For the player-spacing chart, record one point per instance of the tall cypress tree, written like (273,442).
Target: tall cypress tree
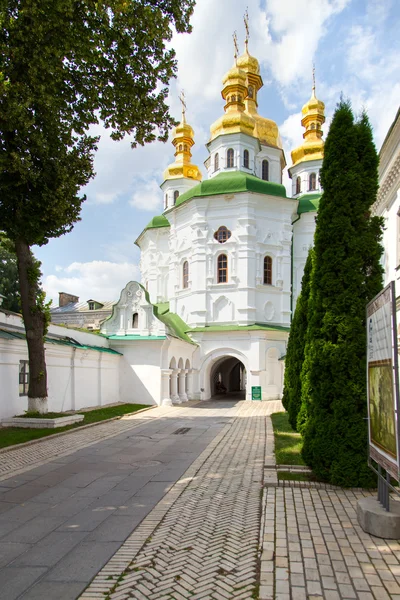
(346,275)
(291,399)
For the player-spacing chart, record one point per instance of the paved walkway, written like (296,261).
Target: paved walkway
(167,505)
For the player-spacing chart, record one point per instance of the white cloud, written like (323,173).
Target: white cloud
(101,280)
(147,196)
(288,33)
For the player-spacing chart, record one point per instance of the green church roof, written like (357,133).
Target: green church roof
(156,222)
(308,203)
(230,183)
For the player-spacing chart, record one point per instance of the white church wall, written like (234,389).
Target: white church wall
(303,240)
(259,225)
(304,170)
(154,263)
(259,351)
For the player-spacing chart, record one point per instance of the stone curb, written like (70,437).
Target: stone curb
(56,435)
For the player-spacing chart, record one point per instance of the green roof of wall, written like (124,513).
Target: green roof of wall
(60,341)
(230,183)
(308,203)
(255,327)
(173,321)
(137,338)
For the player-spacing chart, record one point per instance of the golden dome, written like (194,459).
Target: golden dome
(313,113)
(183,140)
(265,130)
(235,120)
(241,85)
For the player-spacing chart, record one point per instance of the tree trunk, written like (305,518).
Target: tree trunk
(35,322)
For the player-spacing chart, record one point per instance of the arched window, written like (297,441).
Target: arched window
(176,196)
(135,321)
(312,125)
(166,201)
(185,274)
(312,180)
(246,159)
(268,270)
(216,162)
(298,185)
(250,92)
(265,170)
(230,158)
(222,274)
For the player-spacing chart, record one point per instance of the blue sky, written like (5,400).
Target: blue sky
(355,47)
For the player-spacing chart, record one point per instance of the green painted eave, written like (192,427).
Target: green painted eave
(156,223)
(10,335)
(308,203)
(255,327)
(136,338)
(173,321)
(232,182)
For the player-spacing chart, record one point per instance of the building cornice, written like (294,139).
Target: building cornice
(387,186)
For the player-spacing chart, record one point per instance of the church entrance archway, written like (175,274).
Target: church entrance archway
(228,378)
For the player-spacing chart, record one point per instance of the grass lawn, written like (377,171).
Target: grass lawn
(17,435)
(288,443)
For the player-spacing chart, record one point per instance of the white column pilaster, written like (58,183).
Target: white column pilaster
(182,385)
(165,388)
(174,386)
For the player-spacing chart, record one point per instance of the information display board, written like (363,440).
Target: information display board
(382,381)
(256,392)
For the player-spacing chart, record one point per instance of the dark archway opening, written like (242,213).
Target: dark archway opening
(228,378)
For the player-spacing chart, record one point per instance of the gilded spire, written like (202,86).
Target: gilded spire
(313,117)
(183,103)
(182,140)
(246,26)
(235,46)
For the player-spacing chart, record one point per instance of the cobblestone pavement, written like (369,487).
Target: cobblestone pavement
(202,540)
(313,547)
(68,503)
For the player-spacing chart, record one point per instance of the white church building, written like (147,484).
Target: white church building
(222,266)
(221,271)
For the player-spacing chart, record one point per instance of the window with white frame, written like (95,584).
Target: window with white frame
(23,377)
(230,158)
(185,275)
(222,268)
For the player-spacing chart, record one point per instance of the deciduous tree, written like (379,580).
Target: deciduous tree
(9,287)
(65,65)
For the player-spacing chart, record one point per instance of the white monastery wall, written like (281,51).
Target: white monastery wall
(139,371)
(77,378)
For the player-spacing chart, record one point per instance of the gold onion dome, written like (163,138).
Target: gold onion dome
(246,74)
(248,63)
(183,140)
(313,117)
(235,120)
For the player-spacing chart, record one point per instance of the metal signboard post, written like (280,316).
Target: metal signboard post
(383,390)
(256,392)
